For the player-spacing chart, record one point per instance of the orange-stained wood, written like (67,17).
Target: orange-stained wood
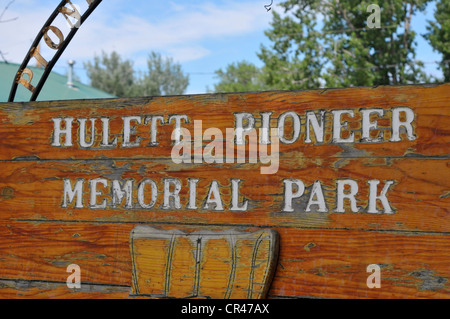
(313,262)
(26,129)
(205,264)
(28,190)
(361,177)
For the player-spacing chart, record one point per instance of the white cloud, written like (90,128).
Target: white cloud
(182,54)
(16,36)
(190,27)
(185,33)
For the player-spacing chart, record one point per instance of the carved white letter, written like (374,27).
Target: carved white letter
(337,126)
(289,195)
(235,197)
(57,132)
(350,196)
(396,123)
(68,192)
(373,197)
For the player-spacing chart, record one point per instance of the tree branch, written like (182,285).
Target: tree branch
(3,12)
(346,18)
(3,57)
(407,25)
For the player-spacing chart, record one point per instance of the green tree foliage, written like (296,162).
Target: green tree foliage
(333,43)
(239,77)
(164,77)
(110,74)
(439,35)
(113,75)
(330,43)
(295,59)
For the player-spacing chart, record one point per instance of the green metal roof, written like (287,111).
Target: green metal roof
(55,88)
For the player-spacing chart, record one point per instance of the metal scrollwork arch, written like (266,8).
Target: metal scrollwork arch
(67,12)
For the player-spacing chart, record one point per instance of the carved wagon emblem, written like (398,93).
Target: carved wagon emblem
(202,264)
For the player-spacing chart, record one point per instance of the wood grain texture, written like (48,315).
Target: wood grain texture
(26,129)
(35,289)
(226,264)
(32,187)
(313,262)
(322,254)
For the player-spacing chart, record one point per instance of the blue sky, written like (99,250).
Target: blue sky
(203,36)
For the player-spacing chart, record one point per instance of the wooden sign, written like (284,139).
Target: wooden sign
(353,183)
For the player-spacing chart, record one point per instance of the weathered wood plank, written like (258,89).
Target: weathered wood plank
(419,198)
(30,289)
(312,262)
(26,130)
